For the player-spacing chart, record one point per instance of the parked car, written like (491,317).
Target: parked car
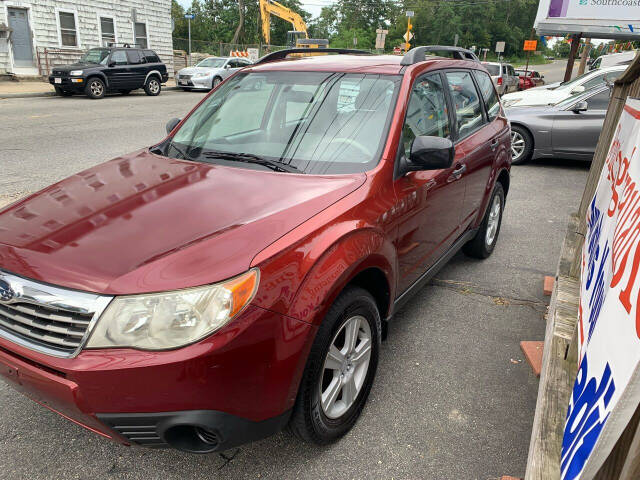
(503,75)
(612,59)
(208,73)
(529,79)
(111,69)
(569,129)
(555,93)
(237,276)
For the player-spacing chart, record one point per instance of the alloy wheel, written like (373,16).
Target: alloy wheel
(494,220)
(96,88)
(517,146)
(154,86)
(345,367)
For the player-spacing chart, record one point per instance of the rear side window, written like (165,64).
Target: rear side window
(151,56)
(466,101)
(488,94)
(599,101)
(427,113)
(135,57)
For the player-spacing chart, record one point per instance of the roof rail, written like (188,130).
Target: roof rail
(281,54)
(418,54)
(123,44)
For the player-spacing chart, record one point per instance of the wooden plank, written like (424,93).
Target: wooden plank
(631,468)
(625,454)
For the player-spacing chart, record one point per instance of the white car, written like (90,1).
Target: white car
(209,72)
(556,92)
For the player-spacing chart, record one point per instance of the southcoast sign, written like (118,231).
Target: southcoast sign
(606,392)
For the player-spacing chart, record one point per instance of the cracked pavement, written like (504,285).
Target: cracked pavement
(453,399)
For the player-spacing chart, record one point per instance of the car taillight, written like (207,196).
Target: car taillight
(499,80)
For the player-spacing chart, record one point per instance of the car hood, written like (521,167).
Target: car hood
(515,112)
(143,223)
(534,96)
(194,70)
(74,66)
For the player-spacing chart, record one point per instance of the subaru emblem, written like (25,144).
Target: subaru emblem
(6,292)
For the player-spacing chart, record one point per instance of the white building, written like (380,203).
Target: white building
(36,34)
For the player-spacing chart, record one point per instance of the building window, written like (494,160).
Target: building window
(108,31)
(68,34)
(141,35)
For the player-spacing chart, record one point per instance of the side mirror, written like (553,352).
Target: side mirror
(171,124)
(112,64)
(431,153)
(577,89)
(227,66)
(580,107)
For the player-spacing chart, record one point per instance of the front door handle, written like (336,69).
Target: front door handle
(457,173)
(494,143)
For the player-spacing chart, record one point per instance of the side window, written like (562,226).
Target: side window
(467,104)
(119,57)
(134,57)
(151,56)
(488,94)
(427,113)
(599,101)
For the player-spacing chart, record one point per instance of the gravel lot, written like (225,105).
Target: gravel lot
(454,398)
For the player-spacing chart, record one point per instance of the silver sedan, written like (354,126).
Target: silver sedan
(209,72)
(569,129)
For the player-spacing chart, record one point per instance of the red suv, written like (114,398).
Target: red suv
(238,276)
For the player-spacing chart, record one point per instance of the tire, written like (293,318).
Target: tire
(321,424)
(520,136)
(63,93)
(152,86)
(125,92)
(482,245)
(95,88)
(215,82)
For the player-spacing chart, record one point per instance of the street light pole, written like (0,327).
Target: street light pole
(189,23)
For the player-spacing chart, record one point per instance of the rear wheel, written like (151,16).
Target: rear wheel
(521,145)
(482,245)
(152,86)
(95,88)
(340,369)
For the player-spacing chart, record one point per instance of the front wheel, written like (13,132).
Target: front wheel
(95,88)
(521,145)
(340,369)
(215,82)
(482,245)
(152,86)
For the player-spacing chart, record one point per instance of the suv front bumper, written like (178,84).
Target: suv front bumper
(70,84)
(237,385)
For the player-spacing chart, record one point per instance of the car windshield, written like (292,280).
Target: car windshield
(212,63)
(494,70)
(578,79)
(308,122)
(574,98)
(95,55)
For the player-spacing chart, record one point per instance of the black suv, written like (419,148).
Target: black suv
(111,69)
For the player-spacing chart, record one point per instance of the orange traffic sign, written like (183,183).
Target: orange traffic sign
(530,45)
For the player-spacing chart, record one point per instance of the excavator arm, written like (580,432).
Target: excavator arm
(270,7)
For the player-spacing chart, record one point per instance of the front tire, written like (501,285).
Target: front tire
(521,145)
(340,369)
(95,88)
(215,82)
(482,245)
(152,86)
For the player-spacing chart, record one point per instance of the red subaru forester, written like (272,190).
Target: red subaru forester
(238,276)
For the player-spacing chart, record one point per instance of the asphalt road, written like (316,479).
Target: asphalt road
(454,397)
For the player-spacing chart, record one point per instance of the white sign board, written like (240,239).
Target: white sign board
(499,47)
(606,392)
(410,13)
(592,18)
(253,54)
(381,36)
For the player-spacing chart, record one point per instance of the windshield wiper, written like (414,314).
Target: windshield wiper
(249,158)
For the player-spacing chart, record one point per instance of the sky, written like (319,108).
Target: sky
(311,6)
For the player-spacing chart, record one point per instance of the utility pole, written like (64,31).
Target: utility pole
(585,55)
(189,17)
(575,43)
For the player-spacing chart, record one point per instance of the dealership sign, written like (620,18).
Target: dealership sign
(590,18)
(606,391)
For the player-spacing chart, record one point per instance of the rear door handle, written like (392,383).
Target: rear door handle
(494,143)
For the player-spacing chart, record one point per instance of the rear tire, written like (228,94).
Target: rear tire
(95,88)
(482,245)
(152,86)
(521,145)
(334,388)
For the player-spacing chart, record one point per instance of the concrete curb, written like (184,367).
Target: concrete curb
(49,94)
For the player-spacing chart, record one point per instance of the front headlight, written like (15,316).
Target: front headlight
(159,321)
(202,74)
(75,73)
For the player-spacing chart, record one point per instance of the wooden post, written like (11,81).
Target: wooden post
(575,43)
(585,54)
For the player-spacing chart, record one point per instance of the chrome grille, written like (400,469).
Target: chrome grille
(47,319)
(185,77)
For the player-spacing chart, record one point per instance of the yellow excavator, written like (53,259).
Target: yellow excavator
(298,37)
